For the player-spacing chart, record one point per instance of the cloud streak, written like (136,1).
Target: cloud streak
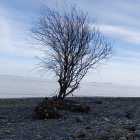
(128,34)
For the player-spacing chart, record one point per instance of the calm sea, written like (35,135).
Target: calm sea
(15,87)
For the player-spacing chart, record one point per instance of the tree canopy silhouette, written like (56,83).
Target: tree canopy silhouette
(72,44)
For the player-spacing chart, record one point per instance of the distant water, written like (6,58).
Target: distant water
(15,87)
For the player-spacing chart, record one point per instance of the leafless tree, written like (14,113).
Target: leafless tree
(72,44)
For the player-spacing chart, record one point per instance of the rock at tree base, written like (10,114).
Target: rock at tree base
(49,108)
(47,113)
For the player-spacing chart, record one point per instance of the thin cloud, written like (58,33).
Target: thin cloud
(13,34)
(134,54)
(126,33)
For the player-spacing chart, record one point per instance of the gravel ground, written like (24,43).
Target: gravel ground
(109,119)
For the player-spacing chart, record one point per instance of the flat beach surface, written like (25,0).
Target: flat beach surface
(109,119)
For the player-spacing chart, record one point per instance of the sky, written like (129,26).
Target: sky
(119,20)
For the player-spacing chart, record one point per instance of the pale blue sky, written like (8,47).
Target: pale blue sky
(118,19)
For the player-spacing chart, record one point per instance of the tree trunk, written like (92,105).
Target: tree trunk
(62,92)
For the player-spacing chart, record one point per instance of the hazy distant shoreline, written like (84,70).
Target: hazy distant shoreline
(17,87)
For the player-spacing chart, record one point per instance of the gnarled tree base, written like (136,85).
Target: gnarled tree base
(49,108)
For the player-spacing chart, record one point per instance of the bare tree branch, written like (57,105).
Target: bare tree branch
(72,44)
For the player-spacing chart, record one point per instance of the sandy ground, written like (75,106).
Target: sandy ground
(111,119)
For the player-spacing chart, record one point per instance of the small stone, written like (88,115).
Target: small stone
(137,127)
(8,132)
(129,115)
(136,138)
(122,138)
(119,115)
(106,119)
(119,133)
(130,128)
(39,136)
(87,127)
(103,136)
(80,133)
(93,122)
(111,138)
(1,117)
(137,133)
(78,119)
(130,138)
(22,123)
(89,136)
